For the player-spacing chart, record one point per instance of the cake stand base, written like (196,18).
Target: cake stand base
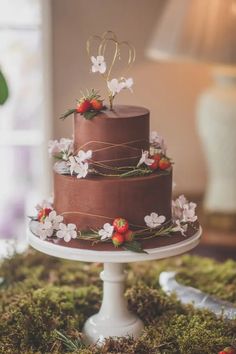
(113,319)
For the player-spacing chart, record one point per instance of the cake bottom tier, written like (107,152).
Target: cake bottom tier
(91,202)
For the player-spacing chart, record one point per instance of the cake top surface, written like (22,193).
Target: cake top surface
(124,111)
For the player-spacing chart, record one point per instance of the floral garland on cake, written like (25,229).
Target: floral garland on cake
(120,233)
(82,164)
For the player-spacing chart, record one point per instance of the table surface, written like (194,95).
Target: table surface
(123,256)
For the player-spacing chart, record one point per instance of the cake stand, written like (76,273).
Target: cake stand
(113,318)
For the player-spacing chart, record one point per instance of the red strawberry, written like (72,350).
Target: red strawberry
(164,163)
(96,104)
(43,213)
(118,239)
(83,106)
(156,159)
(121,225)
(129,235)
(228,350)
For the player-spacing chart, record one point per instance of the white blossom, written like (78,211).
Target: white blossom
(82,171)
(62,147)
(145,159)
(67,232)
(128,83)
(115,85)
(180,227)
(44,230)
(182,210)
(106,232)
(54,219)
(78,164)
(154,220)
(158,142)
(189,212)
(45,203)
(78,168)
(99,65)
(83,156)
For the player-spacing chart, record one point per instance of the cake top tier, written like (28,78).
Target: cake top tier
(116,137)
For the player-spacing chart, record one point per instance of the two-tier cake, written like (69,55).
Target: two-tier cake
(113,181)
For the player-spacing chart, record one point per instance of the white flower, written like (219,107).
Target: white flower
(158,142)
(189,212)
(180,227)
(153,220)
(83,156)
(63,147)
(67,232)
(128,83)
(45,203)
(79,168)
(53,148)
(181,201)
(54,219)
(145,159)
(82,170)
(115,85)
(99,65)
(78,165)
(44,230)
(177,207)
(73,164)
(182,210)
(106,232)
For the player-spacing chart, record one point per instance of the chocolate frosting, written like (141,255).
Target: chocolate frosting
(116,137)
(93,201)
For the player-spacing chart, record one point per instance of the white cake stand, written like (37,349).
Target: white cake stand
(113,318)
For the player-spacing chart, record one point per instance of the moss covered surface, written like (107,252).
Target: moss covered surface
(43,299)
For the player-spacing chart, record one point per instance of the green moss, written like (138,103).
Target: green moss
(42,295)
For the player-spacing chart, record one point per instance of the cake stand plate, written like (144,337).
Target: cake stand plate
(113,318)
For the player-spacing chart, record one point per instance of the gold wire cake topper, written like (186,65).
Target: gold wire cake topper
(107,39)
(91,103)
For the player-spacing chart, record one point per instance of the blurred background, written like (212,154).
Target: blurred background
(44,61)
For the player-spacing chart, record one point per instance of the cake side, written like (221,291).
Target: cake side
(117,137)
(91,202)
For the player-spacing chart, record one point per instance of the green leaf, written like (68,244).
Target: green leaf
(4,93)
(90,114)
(134,246)
(67,113)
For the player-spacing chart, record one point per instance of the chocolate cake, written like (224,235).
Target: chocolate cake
(113,181)
(93,201)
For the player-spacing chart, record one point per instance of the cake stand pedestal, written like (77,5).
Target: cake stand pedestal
(113,318)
